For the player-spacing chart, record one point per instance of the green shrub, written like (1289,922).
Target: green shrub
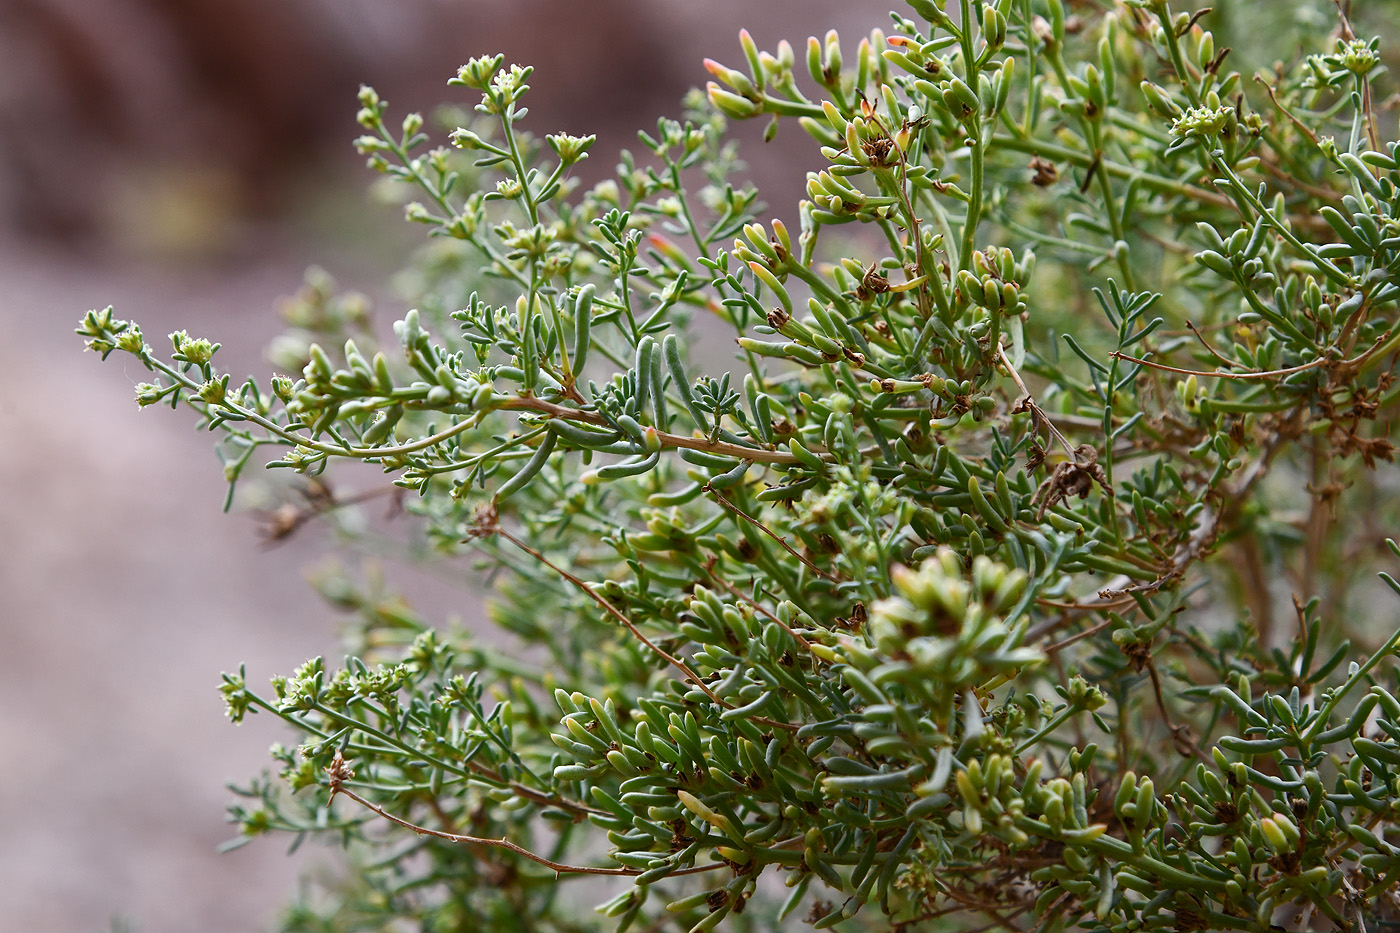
(1020,571)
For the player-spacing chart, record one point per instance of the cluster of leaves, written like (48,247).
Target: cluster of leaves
(961,598)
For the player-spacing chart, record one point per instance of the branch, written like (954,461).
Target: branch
(1037,413)
(722,448)
(1271,374)
(768,531)
(612,611)
(339,772)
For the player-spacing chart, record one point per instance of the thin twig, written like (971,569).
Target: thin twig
(969,902)
(281,523)
(758,608)
(340,772)
(1184,747)
(1078,636)
(1037,412)
(1302,127)
(612,610)
(1118,592)
(768,531)
(1224,360)
(1367,104)
(1271,374)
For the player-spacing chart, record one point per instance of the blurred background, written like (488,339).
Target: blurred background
(186,160)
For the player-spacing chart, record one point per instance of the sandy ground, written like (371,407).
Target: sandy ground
(123,593)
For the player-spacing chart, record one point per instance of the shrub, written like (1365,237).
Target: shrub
(1018,570)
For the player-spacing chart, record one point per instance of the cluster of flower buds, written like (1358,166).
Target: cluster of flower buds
(1352,61)
(944,631)
(988,789)
(837,201)
(943,90)
(996,279)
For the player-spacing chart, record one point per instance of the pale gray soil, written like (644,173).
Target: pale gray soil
(123,593)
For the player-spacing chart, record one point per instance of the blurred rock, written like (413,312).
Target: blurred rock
(222,102)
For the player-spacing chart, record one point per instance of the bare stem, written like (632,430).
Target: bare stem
(612,610)
(1271,374)
(340,772)
(768,531)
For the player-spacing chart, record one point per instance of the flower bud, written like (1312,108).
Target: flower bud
(730,104)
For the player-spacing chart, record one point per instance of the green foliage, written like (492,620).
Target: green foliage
(965,595)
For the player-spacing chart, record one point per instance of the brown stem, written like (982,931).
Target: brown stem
(768,531)
(738,594)
(1181,740)
(722,448)
(1117,593)
(612,610)
(1037,412)
(1271,374)
(1344,339)
(281,523)
(339,772)
(1302,127)
(1367,105)
(1224,360)
(1257,589)
(1078,636)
